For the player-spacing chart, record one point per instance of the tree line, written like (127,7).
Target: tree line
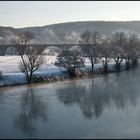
(97,48)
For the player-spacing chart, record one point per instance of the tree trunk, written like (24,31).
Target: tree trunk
(92,64)
(127,63)
(134,62)
(118,64)
(72,72)
(105,66)
(29,78)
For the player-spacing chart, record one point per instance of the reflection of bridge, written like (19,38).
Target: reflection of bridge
(40,47)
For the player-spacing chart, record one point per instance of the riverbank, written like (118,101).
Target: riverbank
(18,78)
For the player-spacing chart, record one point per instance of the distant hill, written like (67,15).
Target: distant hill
(69,32)
(7,34)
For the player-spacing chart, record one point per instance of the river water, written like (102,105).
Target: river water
(103,106)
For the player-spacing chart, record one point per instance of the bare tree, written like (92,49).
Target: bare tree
(131,50)
(105,54)
(119,39)
(118,43)
(92,40)
(25,37)
(71,61)
(117,53)
(22,41)
(32,60)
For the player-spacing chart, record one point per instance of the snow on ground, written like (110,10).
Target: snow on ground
(9,64)
(13,76)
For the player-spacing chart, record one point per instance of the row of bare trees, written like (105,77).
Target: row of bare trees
(118,47)
(99,48)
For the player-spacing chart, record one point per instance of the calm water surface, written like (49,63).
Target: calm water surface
(106,106)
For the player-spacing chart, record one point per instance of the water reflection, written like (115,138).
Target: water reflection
(93,95)
(32,110)
(82,108)
(1,96)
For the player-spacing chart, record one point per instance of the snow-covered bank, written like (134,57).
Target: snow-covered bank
(47,72)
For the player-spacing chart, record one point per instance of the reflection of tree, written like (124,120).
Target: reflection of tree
(91,106)
(32,109)
(123,95)
(71,94)
(88,101)
(1,96)
(100,93)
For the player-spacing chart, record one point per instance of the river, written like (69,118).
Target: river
(103,106)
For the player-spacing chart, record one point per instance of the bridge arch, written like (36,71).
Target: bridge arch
(75,48)
(52,50)
(11,51)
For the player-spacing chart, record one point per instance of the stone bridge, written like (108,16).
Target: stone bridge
(40,47)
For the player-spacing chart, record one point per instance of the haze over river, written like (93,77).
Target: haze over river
(102,106)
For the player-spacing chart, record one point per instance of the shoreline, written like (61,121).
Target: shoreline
(17,79)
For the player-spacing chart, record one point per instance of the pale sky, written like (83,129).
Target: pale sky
(39,13)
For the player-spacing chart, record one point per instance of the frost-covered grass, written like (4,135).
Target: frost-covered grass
(13,76)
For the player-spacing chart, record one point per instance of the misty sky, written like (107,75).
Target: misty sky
(39,13)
